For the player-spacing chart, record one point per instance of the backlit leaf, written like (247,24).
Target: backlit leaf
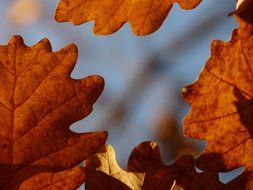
(221,101)
(38,103)
(145,171)
(145,16)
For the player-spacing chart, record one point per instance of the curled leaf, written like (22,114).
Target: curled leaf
(145,16)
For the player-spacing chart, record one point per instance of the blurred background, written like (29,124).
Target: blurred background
(144,75)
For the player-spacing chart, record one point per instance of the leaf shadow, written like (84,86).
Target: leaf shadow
(12,178)
(245,110)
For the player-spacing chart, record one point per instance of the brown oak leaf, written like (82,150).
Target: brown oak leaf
(38,102)
(68,180)
(222,104)
(145,171)
(145,16)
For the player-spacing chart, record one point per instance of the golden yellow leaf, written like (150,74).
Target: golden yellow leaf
(145,16)
(104,162)
(38,103)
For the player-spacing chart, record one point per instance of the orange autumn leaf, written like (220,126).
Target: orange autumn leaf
(68,180)
(145,16)
(145,171)
(38,102)
(221,101)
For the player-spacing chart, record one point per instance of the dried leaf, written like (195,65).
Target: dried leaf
(145,16)
(145,171)
(103,172)
(68,180)
(221,101)
(38,103)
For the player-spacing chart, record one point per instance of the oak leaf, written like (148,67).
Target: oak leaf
(38,103)
(145,16)
(145,171)
(221,101)
(103,172)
